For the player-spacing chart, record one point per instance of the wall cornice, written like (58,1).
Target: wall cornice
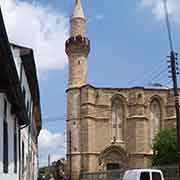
(137,117)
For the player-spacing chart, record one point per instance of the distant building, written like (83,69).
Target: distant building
(109,128)
(53,168)
(20,112)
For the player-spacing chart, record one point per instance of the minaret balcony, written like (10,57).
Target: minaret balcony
(77,44)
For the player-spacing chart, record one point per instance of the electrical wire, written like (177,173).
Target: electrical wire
(155,77)
(95,113)
(159,74)
(142,76)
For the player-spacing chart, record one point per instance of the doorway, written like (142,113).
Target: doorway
(113,166)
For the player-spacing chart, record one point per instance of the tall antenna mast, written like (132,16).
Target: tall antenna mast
(173,66)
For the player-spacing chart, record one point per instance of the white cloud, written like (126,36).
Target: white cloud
(49,141)
(38,27)
(157,8)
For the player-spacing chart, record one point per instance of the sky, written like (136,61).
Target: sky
(129,45)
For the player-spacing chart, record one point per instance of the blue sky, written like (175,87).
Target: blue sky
(129,46)
(127,42)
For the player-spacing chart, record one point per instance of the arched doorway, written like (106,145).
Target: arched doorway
(114,158)
(112,166)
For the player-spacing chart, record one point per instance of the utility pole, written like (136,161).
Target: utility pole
(173,62)
(173,66)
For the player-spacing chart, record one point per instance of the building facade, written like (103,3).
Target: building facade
(109,128)
(20,112)
(25,65)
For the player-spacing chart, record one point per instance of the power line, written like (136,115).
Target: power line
(141,77)
(95,113)
(54,118)
(168,84)
(159,77)
(173,65)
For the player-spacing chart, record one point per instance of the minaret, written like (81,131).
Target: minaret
(77,48)
(78,21)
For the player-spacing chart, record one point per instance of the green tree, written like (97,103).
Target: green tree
(165,147)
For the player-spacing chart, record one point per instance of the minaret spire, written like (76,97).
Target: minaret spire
(78,1)
(77,48)
(78,11)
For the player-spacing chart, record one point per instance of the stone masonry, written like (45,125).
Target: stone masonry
(109,128)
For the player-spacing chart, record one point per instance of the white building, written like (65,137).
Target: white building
(20,112)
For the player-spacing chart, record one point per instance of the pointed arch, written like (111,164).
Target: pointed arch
(155,117)
(114,155)
(118,118)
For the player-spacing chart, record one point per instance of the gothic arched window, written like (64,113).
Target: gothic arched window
(117,119)
(155,118)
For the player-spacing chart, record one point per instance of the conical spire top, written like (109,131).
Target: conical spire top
(78,1)
(78,11)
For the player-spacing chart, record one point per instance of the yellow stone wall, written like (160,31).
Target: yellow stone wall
(92,113)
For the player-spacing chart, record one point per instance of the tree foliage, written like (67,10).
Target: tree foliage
(165,147)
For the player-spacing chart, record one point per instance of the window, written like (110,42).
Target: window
(155,111)
(145,176)
(15,146)
(117,119)
(156,176)
(5,140)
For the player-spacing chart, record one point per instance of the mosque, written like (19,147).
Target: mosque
(109,128)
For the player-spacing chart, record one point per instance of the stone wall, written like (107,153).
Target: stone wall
(95,124)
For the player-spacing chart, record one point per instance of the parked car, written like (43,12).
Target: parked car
(143,174)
